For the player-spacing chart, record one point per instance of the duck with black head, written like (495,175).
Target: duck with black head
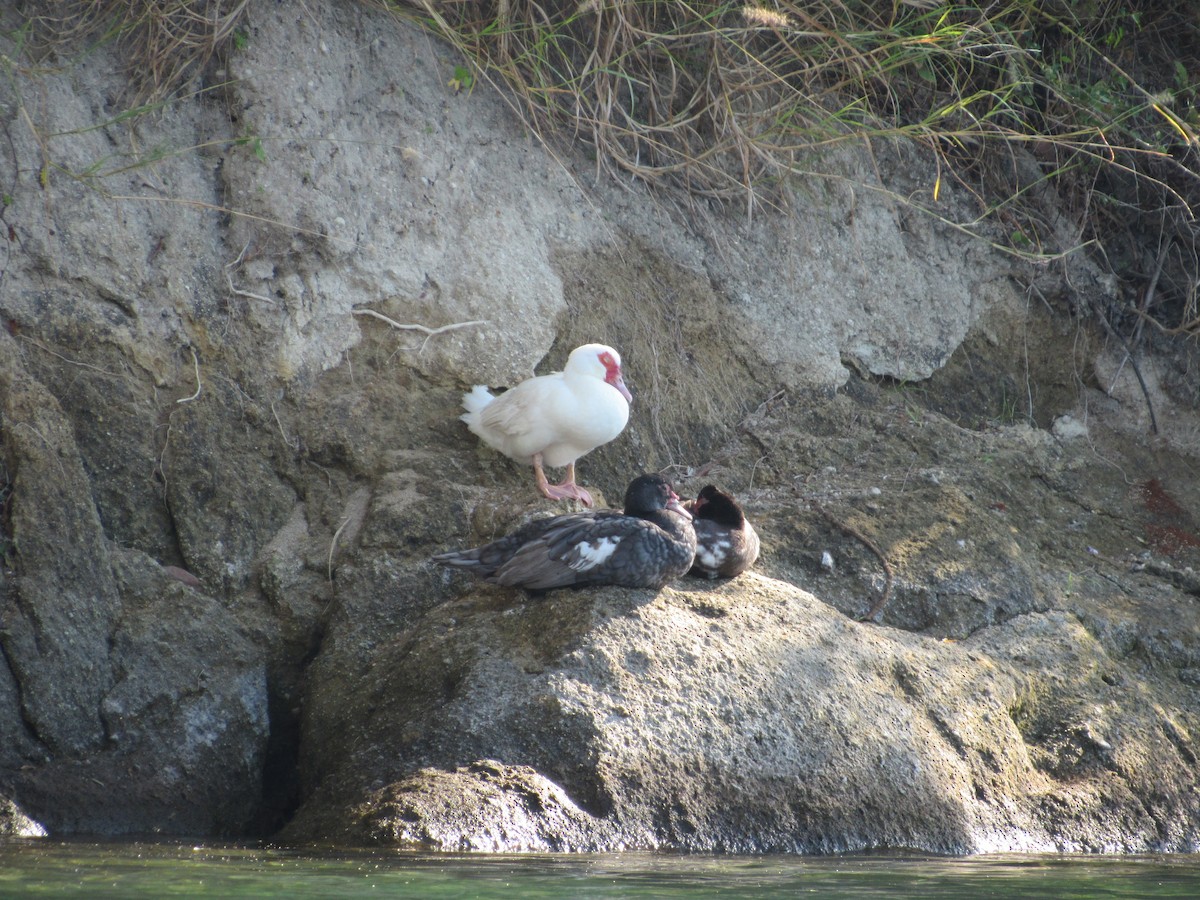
(648,544)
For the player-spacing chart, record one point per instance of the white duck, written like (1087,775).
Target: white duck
(552,420)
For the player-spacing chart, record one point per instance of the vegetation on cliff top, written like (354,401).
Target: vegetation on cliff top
(729,101)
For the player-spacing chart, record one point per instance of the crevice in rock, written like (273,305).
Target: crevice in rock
(280,773)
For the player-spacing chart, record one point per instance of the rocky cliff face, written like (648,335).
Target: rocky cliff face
(223,474)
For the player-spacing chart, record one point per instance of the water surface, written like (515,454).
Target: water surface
(46,868)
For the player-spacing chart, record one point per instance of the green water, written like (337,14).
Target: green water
(44,868)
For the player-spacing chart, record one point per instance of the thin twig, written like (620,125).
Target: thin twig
(67,359)
(753,469)
(1148,297)
(1132,364)
(227,211)
(282,431)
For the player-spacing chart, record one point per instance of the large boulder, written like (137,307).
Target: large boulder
(132,701)
(747,717)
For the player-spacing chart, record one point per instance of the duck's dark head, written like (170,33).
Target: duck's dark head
(717,506)
(649,493)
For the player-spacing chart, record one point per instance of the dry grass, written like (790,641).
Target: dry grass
(166,41)
(730,100)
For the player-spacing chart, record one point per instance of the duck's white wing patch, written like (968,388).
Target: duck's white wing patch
(712,554)
(587,555)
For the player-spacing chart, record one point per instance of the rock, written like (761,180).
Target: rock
(485,806)
(1068,428)
(223,486)
(748,717)
(14,822)
(59,615)
(185,725)
(134,691)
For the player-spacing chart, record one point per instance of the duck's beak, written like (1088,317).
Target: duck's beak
(675,506)
(618,382)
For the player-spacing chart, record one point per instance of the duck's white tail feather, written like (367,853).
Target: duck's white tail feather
(474,402)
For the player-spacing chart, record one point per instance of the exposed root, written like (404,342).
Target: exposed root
(424,329)
(236,291)
(199,385)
